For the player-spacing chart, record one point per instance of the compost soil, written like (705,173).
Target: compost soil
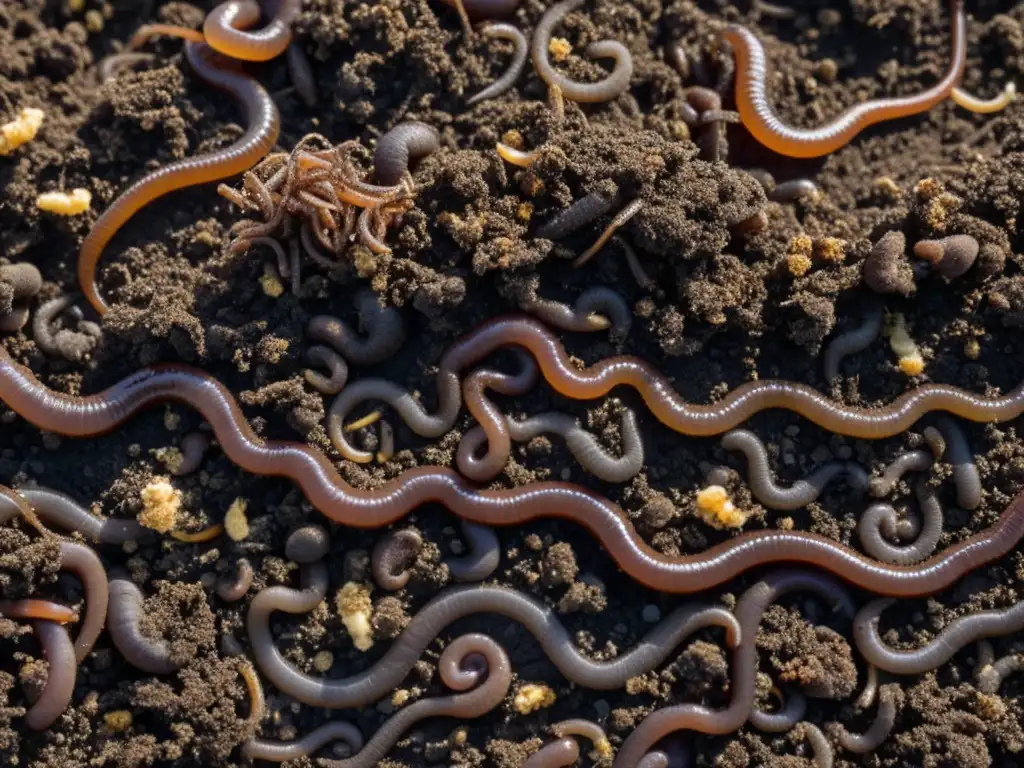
(727,306)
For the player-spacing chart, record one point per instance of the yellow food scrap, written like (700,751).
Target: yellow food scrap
(832,249)
(524,212)
(94,20)
(889,186)
(355,607)
(271,284)
(602,749)
(717,509)
(198,537)
(400,697)
(160,504)
(513,138)
(911,361)
(559,48)
(323,661)
(23,128)
(533,696)
(76,6)
(798,264)
(118,720)
(235,521)
(64,204)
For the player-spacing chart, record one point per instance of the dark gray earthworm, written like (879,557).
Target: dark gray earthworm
(384,328)
(405,143)
(799,494)
(853,341)
(584,446)
(606,89)
(748,612)
(792,190)
(965,470)
(596,309)
(300,72)
(911,461)
(282,751)
(116,63)
(308,544)
(451,605)
(558,754)
(673,753)
(233,590)
(520,51)
(64,512)
(193,448)
(66,343)
(990,673)
(483,557)
(935,441)
(83,562)
(881,518)
(875,736)
(25,281)
(938,650)
(392,556)
(824,757)
(585,210)
(332,360)
(126,608)
(55,697)
(473,664)
(794,709)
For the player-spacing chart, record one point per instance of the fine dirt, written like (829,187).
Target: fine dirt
(729,305)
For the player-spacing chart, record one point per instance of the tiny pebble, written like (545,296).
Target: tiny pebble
(457,547)
(792,430)
(565,474)
(602,709)
(651,614)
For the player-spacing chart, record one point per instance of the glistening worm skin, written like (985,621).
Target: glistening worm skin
(875,736)
(83,562)
(557,754)
(283,751)
(965,471)
(325,489)
(938,650)
(794,709)
(64,512)
(233,590)
(911,461)
(824,757)
(879,516)
(611,86)
(595,309)
(263,121)
(792,190)
(520,50)
(802,492)
(989,673)
(193,448)
(484,554)
(384,327)
(226,29)
(318,354)
(762,122)
(748,612)
(585,210)
(404,143)
(392,556)
(60,676)
(451,605)
(308,544)
(31,608)
(852,342)
(147,654)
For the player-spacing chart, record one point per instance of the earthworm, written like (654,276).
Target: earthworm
(520,50)
(633,262)
(148,654)
(64,512)
(325,489)
(965,471)
(36,609)
(762,122)
(370,237)
(583,445)
(386,447)
(307,544)
(853,341)
(273,244)
(606,89)
(595,309)
(233,590)
(406,142)
(193,448)
(772,11)
(792,190)
(747,613)
(794,709)
(938,650)
(60,675)
(66,343)
(632,209)
(199,537)
(672,754)
(579,214)
(911,461)
(585,728)
(557,754)
(318,354)
(484,553)
(875,736)
(301,74)
(879,516)
(282,751)
(824,757)
(384,327)
(870,692)
(451,605)
(950,256)
(263,121)
(985,106)
(25,281)
(989,673)
(799,494)
(226,29)
(392,556)
(113,65)
(83,562)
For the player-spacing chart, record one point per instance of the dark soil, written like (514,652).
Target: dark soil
(727,309)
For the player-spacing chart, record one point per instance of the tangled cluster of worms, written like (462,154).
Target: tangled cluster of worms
(323,199)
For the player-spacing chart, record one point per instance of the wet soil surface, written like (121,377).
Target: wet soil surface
(729,304)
